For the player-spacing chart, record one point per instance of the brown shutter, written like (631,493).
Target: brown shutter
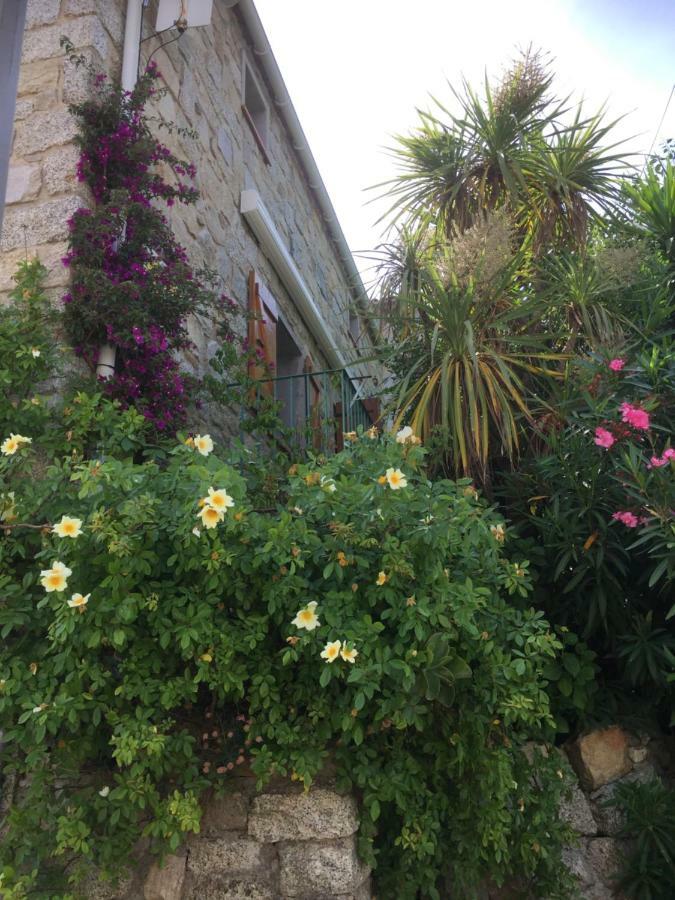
(262,333)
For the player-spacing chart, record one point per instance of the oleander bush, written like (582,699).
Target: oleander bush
(352,610)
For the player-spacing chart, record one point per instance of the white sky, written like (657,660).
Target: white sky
(357,69)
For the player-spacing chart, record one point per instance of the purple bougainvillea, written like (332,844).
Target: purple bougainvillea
(131,283)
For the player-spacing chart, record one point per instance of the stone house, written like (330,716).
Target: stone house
(264,220)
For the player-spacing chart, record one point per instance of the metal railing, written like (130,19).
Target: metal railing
(313,410)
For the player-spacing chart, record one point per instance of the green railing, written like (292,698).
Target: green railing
(313,410)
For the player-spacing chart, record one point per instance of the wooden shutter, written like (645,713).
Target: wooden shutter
(314,388)
(262,332)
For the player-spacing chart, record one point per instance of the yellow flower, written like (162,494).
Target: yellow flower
(206,657)
(189,442)
(210,516)
(372,433)
(382,479)
(307,618)
(382,578)
(13,443)
(219,499)
(33,667)
(77,601)
(351,436)
(410,601)
(498,533)
(203,444)
(56,578)
(68,527)
(395,479)
(349,655)
(331,651)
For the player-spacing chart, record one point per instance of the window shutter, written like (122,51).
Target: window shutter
(314,388)
(262,333)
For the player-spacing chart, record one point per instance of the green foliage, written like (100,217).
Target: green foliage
(649,823)
(106,681)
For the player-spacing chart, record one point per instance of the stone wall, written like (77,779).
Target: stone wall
(282,843)
(203,74)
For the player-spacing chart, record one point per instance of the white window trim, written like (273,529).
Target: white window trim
(247,65)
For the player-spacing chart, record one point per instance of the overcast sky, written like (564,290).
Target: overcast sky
(357,69)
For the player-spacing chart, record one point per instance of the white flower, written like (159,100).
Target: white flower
(68,527)
(328,484)
(307,618)
(349,655)
(196,531)
(56,578)
(104,791)
(210,516)
(78,601)
(203,444)
(219,499)
(395,479)
(35,352)
(13,443)
(404,435)
(331,651)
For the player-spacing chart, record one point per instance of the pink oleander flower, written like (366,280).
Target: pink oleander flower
(657,461)
(635,416)
(604,438)
(616,365)
(629,519)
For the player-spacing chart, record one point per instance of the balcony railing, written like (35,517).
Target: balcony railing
(313,410)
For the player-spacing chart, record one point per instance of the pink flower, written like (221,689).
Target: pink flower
(616,365)
(629,519)
(669,453)
(604,438)
(656,462)
(635,416)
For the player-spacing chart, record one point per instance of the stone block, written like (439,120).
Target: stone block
(165,882)
(600,757)
(229,854)
(37,224)
(39,77)
(44,129)
(44,43)
(23,109)
(110,13)
(318,814)
(59,169)
(228,813)
(576,812)
(609,817)
(50,255)
(310,868)
(95,887)
(41,12)
(605,857)
(23,182)
(213,887)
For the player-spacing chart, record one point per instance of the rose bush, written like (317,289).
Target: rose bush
(353,610)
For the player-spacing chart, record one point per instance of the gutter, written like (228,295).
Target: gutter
(282,101)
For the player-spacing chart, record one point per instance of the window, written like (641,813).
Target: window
(354,325)
(255,108)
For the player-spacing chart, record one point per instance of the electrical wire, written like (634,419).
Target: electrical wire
(663,118)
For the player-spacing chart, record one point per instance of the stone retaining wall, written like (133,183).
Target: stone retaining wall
(282,843)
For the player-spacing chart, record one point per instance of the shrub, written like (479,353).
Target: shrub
(421,679)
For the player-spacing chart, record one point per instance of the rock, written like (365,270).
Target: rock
(39,224)
(605,857)
(44,129)
(609,817)
(41,12)
(228,813)
(165,882)
(23,182)
(59,169)
(309,868)
(637,754)
(44,43)
(230,854)
(576,812)
(217,888)
(97,888)
(317,814)
(39,77)
(600,757)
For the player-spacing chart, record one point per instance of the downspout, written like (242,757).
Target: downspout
(105,367)
(282,100)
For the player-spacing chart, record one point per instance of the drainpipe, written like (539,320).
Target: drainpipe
(282,100)
(105,367)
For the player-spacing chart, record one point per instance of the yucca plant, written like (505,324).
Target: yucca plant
(515,145)
(467,367)
(652,198)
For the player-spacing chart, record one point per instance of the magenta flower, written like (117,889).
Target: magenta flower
(634,416)
(629,519)
(616,365)
(604,438)
(657,461)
